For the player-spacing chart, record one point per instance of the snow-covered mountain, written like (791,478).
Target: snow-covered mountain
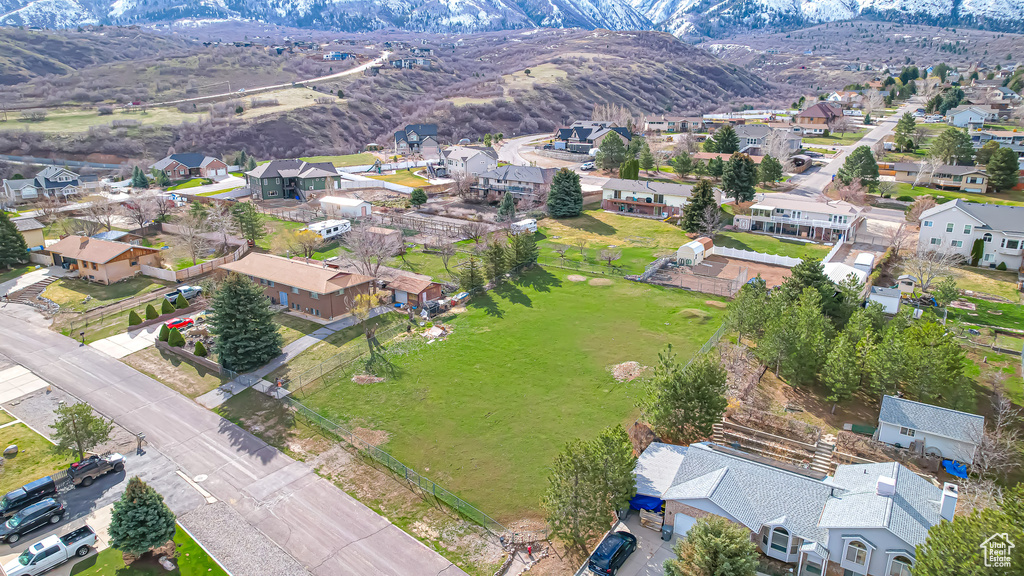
(680,17)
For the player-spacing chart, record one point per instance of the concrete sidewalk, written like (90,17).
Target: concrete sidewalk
(318,524)
(121,345)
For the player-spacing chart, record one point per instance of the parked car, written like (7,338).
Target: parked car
(36,516)
(51,552)
(84,473)
(179,323)
(586,166)
(27,495)
(189,292)
(548,146)
(612,552)
(527,225)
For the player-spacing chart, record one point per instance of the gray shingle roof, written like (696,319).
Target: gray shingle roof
(887,292)
(932,419)
(293,168)
(995,216)
(656,468)
(25,224)
(648,187)
(511,173)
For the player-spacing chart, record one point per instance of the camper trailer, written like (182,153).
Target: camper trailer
(528,225)
(330,228)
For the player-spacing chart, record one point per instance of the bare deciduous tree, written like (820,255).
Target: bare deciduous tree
(929,266)
(103,211)
(920,205)
(710,220)
(777,145)
(218,219)
(873,100)
(474,231)
(462,186)
(919,135)
(369,248)
(999,448)
(445,250)
(140,210)
(580,243)
(853,193)
(191,230)
(609,256)
(897,238)
(560,249)
(840,124)
(49,209)
(303,242)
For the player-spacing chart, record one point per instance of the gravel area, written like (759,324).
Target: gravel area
(242,549)
(37,410)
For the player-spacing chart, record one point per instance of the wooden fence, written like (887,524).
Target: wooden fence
(193,271)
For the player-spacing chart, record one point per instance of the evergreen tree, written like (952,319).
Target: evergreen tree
(750,310)
(715,167)
(174,338)
(248,221)
(160,178)
(78,429)
(984,154)
(522,249)
(682,164)
(842,374)
(724,140)
(180,302)
(565,199)
(164,334)
(418,197)
(573,508)
(714,547)
(471,277)
(13,249)
(703,195)
(953,146)
(166,307)
(810,273)
(647,161)
(151,313)
(613,151)
(140,520)
(507,208)
(886,364)
(134,319)
(798,341)
(200,349)
(683,404)
(936,366)
(1003,169)
(769,171)
(241,321)
(139,179)
(630,170)
(613,462)
(860,165)
(699,168)
(739,177)
(495,259)
(904,133)
(251,164)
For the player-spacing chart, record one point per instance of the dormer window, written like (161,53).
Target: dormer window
(856,552)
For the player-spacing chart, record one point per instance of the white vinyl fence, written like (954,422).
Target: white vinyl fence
(756,256)
(832,253)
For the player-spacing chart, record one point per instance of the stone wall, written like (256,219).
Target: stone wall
(195,360)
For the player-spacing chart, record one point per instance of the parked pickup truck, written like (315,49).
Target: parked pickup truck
(84,473)
(189,292)
(51,552)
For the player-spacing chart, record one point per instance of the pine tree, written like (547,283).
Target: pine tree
(140,520)
(684,403)
(522,250)
(682,164)
(471,277)
(507,208)
(725,139)
(713,545)
(860,165)
(984,154)
(647,161)
(78,429)
(739,177)
(810,273)
(715,167)
(139,179)
(749,312)
(573,509)
(241,321)
(613,459)
(248,221)
(800,339)
(842,374)
(160,178)
(769,171)
(251,164)
(565,199)
(953,146)
(151,313)
(134,319)
(418,197)
(13,248)
(1003,170)
(702,196)
(904,133)
(495,259)
(613,151)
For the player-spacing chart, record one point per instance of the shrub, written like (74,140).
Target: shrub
(175,338)
(167,307)
(1001,266)
(200,349)
(181,302)
(151,312)
(134,319)
(906,198)
(105,110)
(164,333)
(886,195)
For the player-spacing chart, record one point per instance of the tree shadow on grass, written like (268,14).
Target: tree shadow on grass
(487,303)
(512,293)
(538,279)
(590,224)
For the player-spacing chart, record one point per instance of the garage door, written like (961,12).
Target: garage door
(401,296)
(683,523)
(221,171)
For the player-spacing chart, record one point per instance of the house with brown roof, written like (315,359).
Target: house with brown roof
(317,290)
(101,260)
(815,119)
(413,290)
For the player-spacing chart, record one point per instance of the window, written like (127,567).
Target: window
(856,552)
(617,195)
(780,539)
(133,263)
(1011,244)
(314,295)
(927,223)
(270,284)
(906,431)
(935,241)
(813,569)
(987,237)
(900,566)
(956,243)
(949,227)
(295,290)
(988,257)
(967,228)
(764,536)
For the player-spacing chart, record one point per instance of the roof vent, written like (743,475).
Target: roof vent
(886,486)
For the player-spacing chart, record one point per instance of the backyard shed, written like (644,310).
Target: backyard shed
(889,298)
(693,253)
(865,261)
(906,284)
(345,207)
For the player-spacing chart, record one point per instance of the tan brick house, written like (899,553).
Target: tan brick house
(101,260)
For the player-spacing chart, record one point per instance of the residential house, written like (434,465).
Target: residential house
(462,161)
(972,117)
(338,206)
(32,231)
(944,177)
(645,198)
(582,135)
(410,63)
(191,165)
(815,119)
(337,56)
(101,260)
(313,289)
(414,138)
(927,429)
(846,98)
(754,139)
(792,215)
(674,124)
(866,519)
(90,183)
(51,182)
(954,226)
(292,179)
(520,181)
(1004,94)
(1012,139)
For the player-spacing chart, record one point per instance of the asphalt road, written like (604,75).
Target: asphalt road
(318,524)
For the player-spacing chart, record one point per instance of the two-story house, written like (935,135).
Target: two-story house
(417,139)
(583,135)
(190,165)
(52,182)
(793,215)
(645,198)
(927,429)
(865,519)
(754,139)
(462,161)
(816,119)
(297,179)
(955,226)
(521,181)
(1012,139)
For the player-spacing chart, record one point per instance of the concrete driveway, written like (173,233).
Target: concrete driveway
(651,552)
(98,520)
(121,345)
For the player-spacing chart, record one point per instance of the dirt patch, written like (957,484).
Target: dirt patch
(458,310)
(694,313)
(373,437)
(576,278)
(366,379)
(190,380)
(600,282)
(716,303)
(628,371)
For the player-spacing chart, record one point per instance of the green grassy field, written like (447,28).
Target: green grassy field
(192,561)
(292,327)
(990,314)
(640,240)
(188,184)
(1008,198)
(275,227)
(16,271)
(361,159)
(36,457)
(349,343)
(771,245)
(525,369)
(70,293)
(403,177)
(111,324)
(986,280)
(846,139)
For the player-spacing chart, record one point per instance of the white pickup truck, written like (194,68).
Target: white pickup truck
(189,292)
(51,552)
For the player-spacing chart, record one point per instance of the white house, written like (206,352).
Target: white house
(345,207)
(966,117)
(930,429)
(645,198)
(889,298)
(866,519)
(954,226)
(465,160)
(800,216)
(50,182)
(693,252)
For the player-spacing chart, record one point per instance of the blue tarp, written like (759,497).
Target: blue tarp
(645,503)
(955,468)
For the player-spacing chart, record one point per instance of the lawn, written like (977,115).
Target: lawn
(192,561)
(292,327)
(640,240)
(109,324)
(1008,198)
(6,417)
(276,226)
(403,177)
(189,184)
(36,457)
(71,293)
(16,271)
(846,139)
(361,159)
(990,314)
(216,192)
(988,281)
(173,371)
(771,245)
(525,370)
(349,343)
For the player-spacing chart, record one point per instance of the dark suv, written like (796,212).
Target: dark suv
(28,494)
(36,516)
(612,553)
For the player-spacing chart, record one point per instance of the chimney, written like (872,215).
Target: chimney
(885,486)
(947,506)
